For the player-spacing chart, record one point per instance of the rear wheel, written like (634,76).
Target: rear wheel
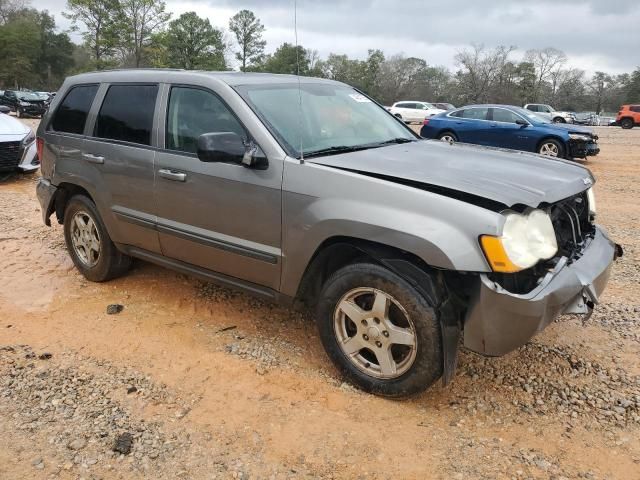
(559,120)
(89,245)
(448,137)
(626,123)
(379,331)
(551,148)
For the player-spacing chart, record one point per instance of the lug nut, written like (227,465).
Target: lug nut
(378,344)
(385,333)
(366,337)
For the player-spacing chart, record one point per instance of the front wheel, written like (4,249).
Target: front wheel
(551,148)
(379,331)
(626,123)
(89,245)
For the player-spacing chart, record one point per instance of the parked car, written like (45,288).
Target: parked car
(414,111)
(444,106)
(547,111)
(4,109)
(400,246)
(628,116)
(506,126)
(17,145)
(23,103)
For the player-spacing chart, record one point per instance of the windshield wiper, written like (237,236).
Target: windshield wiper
(337,149)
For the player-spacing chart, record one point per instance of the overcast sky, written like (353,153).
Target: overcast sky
(595,34)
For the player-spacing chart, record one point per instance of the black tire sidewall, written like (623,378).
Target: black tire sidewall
(626,123)
(103,269)
(428,364)
(561,149)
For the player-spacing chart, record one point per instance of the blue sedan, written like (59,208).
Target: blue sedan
(505,126)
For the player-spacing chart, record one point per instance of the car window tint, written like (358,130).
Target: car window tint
(502,115)
(635,108)
(193,112)
(127,113)
(71,115)
(475,113)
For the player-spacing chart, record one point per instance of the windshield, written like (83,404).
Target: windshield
(531,116)
(27,96)
(321,118)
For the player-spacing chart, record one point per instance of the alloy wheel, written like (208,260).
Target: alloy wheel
(85,238)
(375,333)
(549,148)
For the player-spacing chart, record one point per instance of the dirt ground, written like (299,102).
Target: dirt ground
(212,383)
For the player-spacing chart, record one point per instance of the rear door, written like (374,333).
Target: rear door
(220,216)
(119,155)
(471,125)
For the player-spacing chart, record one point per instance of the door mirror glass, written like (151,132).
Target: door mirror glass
(521,122)
(221,147)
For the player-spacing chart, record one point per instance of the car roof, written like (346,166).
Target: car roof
(173,75)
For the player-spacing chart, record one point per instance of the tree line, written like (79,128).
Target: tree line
(141,33)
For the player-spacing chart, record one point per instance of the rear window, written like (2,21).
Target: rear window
(127,113)
(71,115)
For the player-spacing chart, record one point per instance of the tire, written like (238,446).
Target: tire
(626,123)
(548,146)
(559,120)
(398,116)
(99,264)
(448,137)
(413,368)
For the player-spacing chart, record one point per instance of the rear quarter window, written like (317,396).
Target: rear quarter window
(126,113)
(71,115)
(635,108)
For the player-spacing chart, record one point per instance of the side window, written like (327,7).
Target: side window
(475,113)
(71,115)
(533,108)
(458,114)
(506,116)
(403,105)
(193,112)
(635,108)
(127,113)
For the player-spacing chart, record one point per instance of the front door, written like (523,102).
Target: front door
(506,133)
(220,216)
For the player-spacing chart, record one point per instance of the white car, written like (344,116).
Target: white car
(18,150)
(550,113)
(414,111)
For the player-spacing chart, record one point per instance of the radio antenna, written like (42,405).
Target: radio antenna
(295,29)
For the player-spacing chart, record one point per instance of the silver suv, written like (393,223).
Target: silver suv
(302,189)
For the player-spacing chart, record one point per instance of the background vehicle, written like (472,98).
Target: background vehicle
(628,116)
(413,111)
(444,106)
(551,113)
(5,109)
(17,146)
(23,103)
(506,126)
(401,246)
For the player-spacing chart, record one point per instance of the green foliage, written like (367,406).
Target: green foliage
(191,42)
(286,59)
(632,87)
(136,23)
(248,32)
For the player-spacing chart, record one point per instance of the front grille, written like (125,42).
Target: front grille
(573,225)
(10,154)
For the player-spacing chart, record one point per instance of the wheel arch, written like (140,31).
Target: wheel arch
(64,192)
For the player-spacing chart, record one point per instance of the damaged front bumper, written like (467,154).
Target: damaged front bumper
(583,149)
(499,321)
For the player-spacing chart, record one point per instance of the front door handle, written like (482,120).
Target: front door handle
(171,175)
(93,158)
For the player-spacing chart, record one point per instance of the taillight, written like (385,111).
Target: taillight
(40,147)
(425,121)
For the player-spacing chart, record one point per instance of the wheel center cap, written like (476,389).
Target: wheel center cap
(373,333)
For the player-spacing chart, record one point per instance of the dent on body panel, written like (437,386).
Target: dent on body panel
(320,203)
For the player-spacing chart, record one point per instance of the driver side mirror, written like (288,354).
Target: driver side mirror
(522,123)
(230,147)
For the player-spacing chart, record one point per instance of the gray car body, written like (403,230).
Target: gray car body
(260,229)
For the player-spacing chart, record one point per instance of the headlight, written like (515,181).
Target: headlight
(591,199)
(579,136)
(29,139)
(526,239)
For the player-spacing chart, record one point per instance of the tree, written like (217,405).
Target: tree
(99,18)
(55,57)
(20,46)
(137,22)
(248,31)
(479,70)
(633,87)
(547,63)
(192,43)
(286,59)
(600,86)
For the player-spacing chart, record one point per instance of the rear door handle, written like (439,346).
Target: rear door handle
(171,175)
(92,158)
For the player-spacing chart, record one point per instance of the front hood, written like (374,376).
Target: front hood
(571,128)
(507,177)
(11,126)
